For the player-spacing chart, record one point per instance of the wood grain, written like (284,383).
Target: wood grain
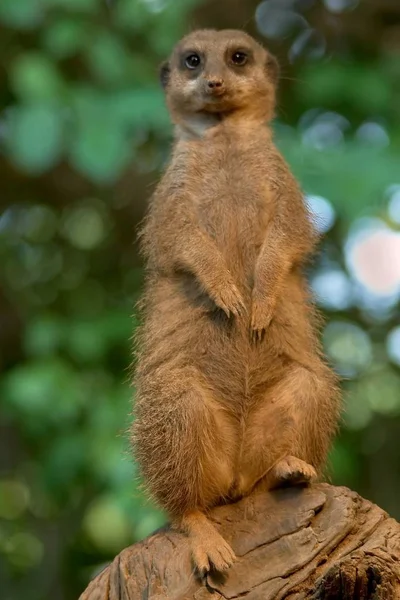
(315,543)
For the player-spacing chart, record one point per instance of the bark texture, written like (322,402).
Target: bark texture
(315,543)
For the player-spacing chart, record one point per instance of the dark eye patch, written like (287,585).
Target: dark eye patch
(191,60)
(239,57)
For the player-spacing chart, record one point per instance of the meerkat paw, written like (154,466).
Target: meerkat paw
(230,300)
(208,548)
(293,471)
(261,315)
(211,551)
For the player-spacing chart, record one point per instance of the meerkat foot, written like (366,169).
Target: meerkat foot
(292,471)
(209,549)
(213,552)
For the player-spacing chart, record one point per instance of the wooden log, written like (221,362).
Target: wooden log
(319,542)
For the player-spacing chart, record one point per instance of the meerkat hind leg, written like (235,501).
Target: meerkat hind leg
(291,471)
(208,547)
(186,444)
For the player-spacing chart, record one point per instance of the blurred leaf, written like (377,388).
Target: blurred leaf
(35,137)
(114,325)
(106,524)
(84,226)
(148,524)
(22,14)
(100,150)
(14,498)
(381,391)
(348,346)
(170,26)
(358,413)
(79,6)
(44,392)
(114,470)
(39,223)
(140,108)
(351,177)
(344,463)
(99,145)
(24,550)
(85,342)
(66,462)
(44,334)
(34,77)
(363,86)
(131,15)
(65,37)
(108,59)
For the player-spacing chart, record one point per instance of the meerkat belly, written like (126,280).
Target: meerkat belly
(183,327)
(237,224)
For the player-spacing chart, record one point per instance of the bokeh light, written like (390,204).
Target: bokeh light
(373,257)
(322,211)
(333,289)
(393,345)
(348,346)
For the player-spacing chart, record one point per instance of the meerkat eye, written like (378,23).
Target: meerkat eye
(239,58)
(192,61)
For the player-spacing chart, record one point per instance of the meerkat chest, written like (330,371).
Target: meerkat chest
(234,199)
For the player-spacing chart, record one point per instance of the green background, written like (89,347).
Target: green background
(83,136)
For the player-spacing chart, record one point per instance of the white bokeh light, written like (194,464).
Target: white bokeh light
(276,19)
(155,6)
(338,6)
(373,134)
(333,289)
(393,345)
(322,129)
(322,212)
(394,203)
(372,254)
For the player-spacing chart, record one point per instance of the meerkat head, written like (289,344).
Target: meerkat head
(219,73)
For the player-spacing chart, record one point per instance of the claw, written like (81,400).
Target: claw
(257,333)
(215,552)
(231,302)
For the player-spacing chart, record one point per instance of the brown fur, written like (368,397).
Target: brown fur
(231,384)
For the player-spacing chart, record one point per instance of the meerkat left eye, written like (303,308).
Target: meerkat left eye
(192,61)
(239,58)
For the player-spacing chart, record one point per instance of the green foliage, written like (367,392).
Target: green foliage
(27,146)
(94,119)
(23,14)
(84,133)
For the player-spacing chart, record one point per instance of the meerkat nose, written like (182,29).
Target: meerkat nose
(215,83)
(215,86)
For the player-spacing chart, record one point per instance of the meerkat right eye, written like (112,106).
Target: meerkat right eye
(192,61)
(239,58)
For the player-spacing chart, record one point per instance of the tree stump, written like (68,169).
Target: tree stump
(315,543)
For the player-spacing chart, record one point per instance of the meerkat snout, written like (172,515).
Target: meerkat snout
(215,86)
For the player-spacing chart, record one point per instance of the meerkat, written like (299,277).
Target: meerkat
(232,388)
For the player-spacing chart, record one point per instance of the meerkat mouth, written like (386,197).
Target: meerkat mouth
(216,93)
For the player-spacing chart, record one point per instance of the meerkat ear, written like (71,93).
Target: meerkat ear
(273,69)
(164,73)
